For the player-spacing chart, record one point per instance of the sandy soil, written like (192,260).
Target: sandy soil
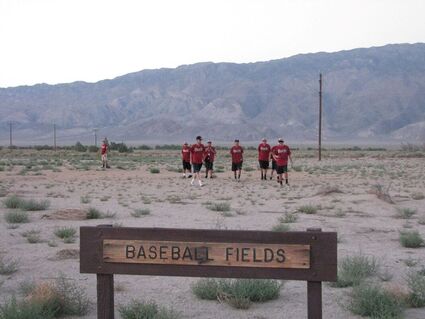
(364,222)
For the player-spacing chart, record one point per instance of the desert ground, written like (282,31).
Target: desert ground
(357,193)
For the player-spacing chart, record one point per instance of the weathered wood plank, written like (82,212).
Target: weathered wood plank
(206,254)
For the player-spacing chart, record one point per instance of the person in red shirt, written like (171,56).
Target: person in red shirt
(237,159)
(264,158)
(209,159)
(186,160)
(197,153)
(104,148)
(281,154)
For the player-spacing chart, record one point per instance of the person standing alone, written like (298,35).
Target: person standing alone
(264,157)
(237,159)
(281,153)
(104,148)
(197,153)
(210,153)
(186,160)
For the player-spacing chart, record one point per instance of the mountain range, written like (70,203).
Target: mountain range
(369,94)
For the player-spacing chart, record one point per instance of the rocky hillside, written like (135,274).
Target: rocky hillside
(373,93)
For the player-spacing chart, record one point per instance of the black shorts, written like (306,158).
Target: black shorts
(196,167)
(282,169)
(186,165)
(264,164)
(236,166)
(209,165)
(274,165)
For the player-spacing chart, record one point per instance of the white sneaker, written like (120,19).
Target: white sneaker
(192,182)
(200,184)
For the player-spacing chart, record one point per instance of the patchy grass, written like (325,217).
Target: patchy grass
(416,284)
(353,270)
(139,212)
(219,206)
(8,266)
(66,233)
(239,293)
(411,239)
(146,310)
(405,212)
(288,218)
(308,209)
(280,227)
(375,302)
(85,199)
(16,217)
(94,213)
(418,196)
(32,236)
(16,202)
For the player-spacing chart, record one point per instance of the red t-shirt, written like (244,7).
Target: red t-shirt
(264,152)
(197,153)
(210,153)
(186,153)
(282,153)
(104,148)
(236,152)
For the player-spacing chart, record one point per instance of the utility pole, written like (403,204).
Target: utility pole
(320,117)
(95,136)
(10,134)
(54,136)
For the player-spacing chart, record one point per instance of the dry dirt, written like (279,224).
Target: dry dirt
(342,187)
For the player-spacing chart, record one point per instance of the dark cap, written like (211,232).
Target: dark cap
(236,141)
(280,140)
(209,142)
(199,137)
(185,143)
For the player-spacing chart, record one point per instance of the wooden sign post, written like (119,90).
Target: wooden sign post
(310,256)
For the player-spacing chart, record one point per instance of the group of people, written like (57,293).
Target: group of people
(194,156)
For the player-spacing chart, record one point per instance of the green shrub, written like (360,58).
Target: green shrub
(29,205)
(281,227)
(8,266)
(32,236)
(239,293)
(219,207)
(85,199)
(12,202)
(418,196)
(146,310)
(288,218)
(73,298)
(375,302)
(154,170)
(93,213)
(33,205)
(405,212)
(140,212)
(352,270)
(308,209)
(411,239)
(13,309)
(65,232)
(16,217)
(416,284)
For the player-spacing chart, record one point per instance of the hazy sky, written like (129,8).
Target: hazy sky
(54,41)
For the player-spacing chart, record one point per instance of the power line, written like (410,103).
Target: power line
(54,136)
(320,117)
(10,134)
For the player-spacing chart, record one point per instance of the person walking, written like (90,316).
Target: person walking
(104,149)
(186,160)
(264,158)
(237,159)
(210,153)
(197,153)
(281,154)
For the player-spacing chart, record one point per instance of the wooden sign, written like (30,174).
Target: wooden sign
(310,256)
(206,254)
